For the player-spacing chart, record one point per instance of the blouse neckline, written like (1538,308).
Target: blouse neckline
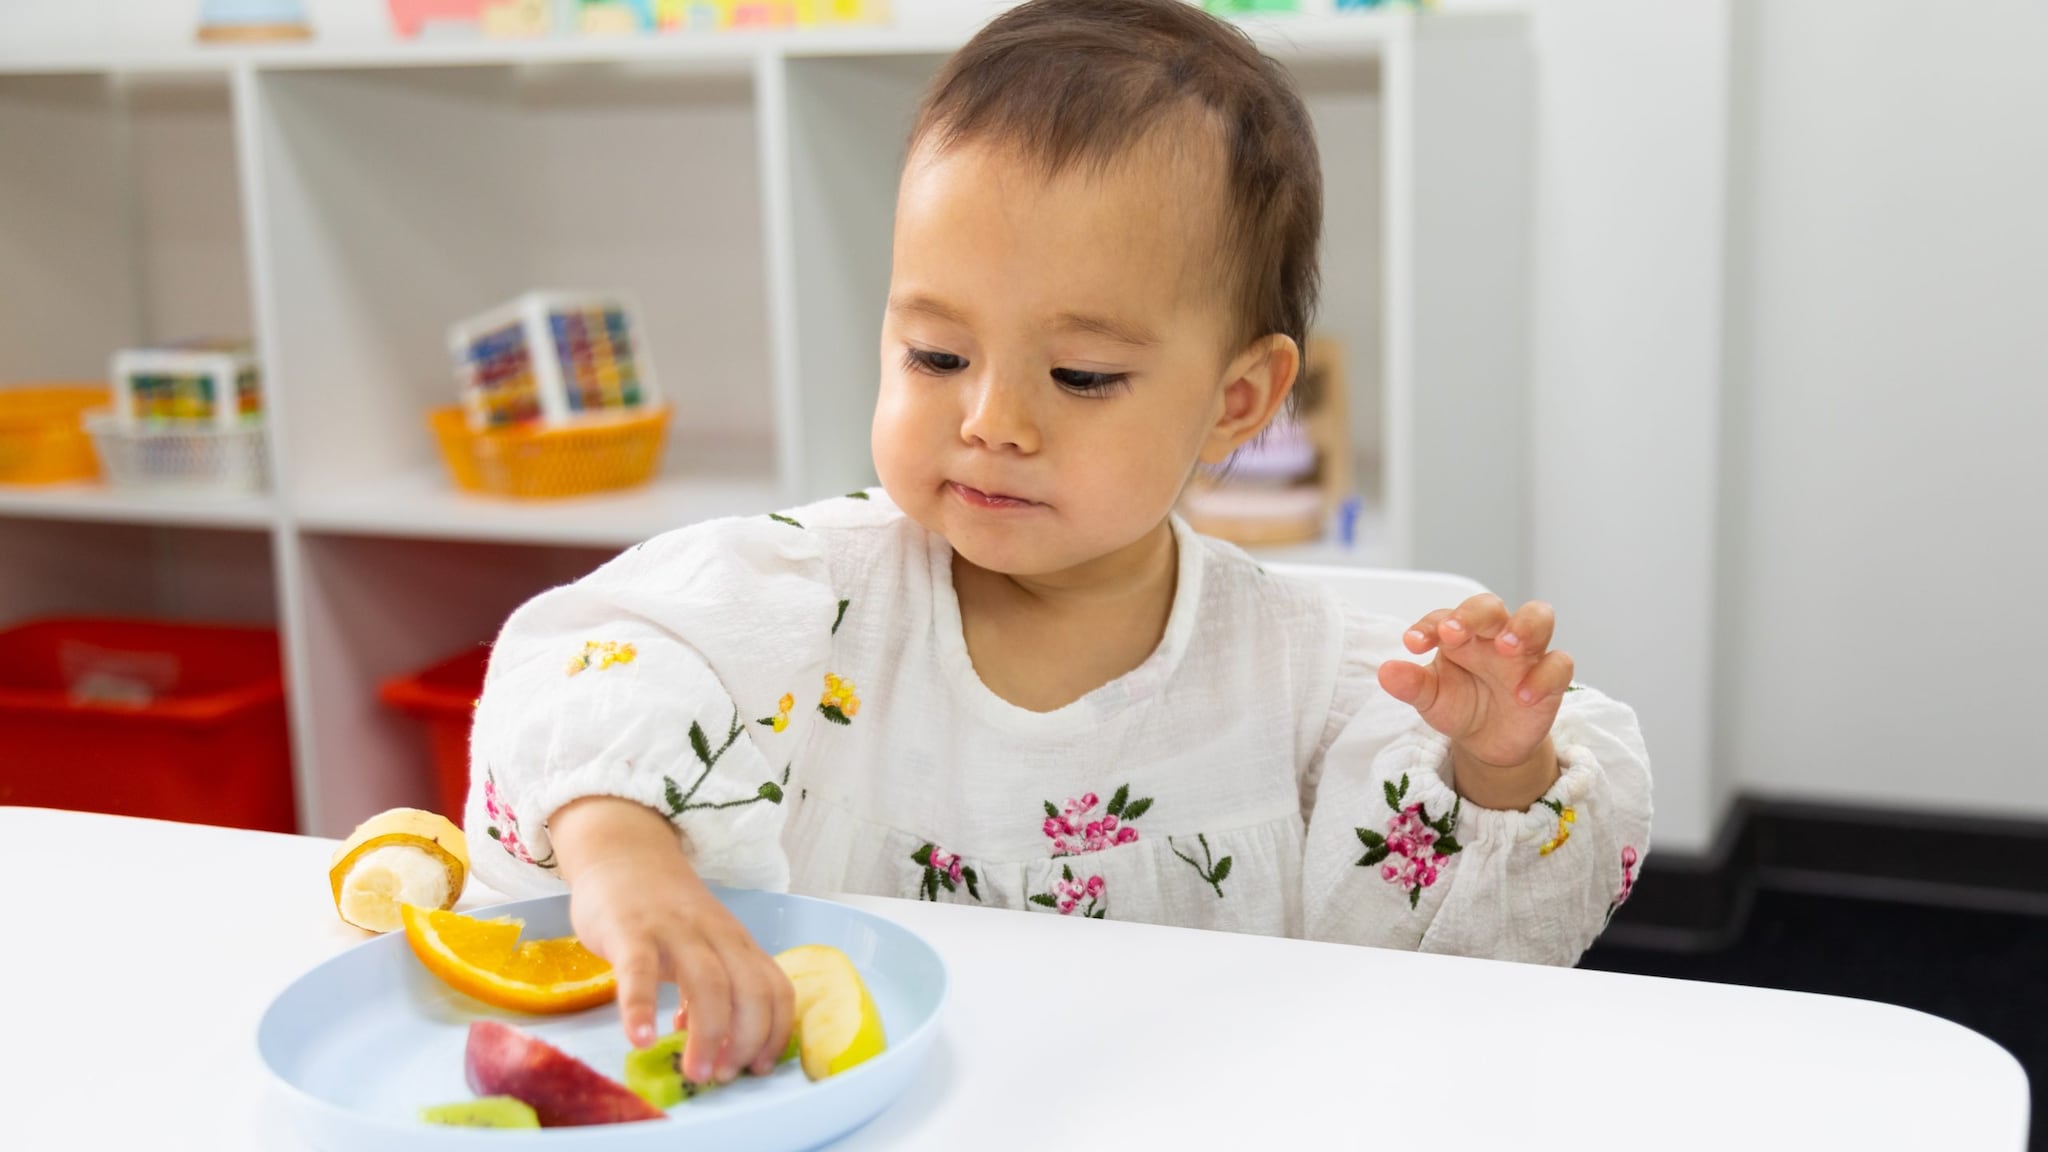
(1138,684)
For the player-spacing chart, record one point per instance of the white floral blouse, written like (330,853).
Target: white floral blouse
(794,693)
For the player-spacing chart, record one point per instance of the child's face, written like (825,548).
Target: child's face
(1054,356)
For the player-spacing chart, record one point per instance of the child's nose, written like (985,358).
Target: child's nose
(999,416)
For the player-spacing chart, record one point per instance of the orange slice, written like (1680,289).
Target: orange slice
(484,959)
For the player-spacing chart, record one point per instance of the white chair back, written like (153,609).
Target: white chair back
(1405,595)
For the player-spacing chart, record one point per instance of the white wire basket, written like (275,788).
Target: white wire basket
(188,461)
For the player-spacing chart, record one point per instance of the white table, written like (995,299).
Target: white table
(1060,1033)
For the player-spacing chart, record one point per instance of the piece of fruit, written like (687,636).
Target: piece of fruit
(403,856)
(486,1112)
(655,1073)
(563,1091)
(837,1025)
(484,959)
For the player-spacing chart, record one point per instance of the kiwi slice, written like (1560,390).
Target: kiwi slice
(484,1112)
(655,1074)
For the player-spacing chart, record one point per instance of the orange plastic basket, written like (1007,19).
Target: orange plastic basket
(42,433)
(547,463)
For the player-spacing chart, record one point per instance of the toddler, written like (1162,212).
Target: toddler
(1010,677)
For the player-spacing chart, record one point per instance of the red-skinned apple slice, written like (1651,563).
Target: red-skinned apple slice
(564,1091)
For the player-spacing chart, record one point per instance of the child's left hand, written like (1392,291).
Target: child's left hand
(1494,689)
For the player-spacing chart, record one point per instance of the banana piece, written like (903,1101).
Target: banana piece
(402,856)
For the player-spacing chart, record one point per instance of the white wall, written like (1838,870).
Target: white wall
(1886,451)
(1630,180)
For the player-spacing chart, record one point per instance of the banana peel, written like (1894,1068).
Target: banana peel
(400,856)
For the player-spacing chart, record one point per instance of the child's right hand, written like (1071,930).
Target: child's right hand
(635,900)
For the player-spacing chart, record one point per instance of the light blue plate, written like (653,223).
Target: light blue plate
(357,1046)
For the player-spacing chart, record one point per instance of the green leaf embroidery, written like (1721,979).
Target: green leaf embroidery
(1393,797)
(771,792)
(1137,808)
(856,495)
(931,885)
(1051,813)
(1576,688)
(785,772)
(923,856)
(967,874)
(492,831)
(766,721)
(841,618)
(1448,845)
(1370,838)
(1210,870)
(831,712)
(1066,873)
(1374,856)
(1556,806)
(1117,802)
(1045,900)
(700,745)
(675,795)
(1098,914)
(779,518)
(1414,897)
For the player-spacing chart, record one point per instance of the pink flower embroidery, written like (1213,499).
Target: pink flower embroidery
(1074,829)
(1414,850)
(1628,874)
(943,869)
(1071,894)
(507,837)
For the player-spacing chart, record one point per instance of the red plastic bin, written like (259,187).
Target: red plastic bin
(142,718)
(444,695)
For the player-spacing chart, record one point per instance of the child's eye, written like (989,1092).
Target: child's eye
(1089,383)
(932,363)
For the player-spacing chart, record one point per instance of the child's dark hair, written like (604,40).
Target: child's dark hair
(1082,81)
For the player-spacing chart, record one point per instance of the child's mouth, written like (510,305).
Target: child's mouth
(976,498)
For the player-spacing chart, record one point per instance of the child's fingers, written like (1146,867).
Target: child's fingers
(782,1021)
(1422,636)
(701,975)
(636,967)
(1483,616)
(1551,676)
(753,1011)
(1411,684)
(1529,631)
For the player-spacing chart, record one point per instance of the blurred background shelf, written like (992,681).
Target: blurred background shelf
(343,201)
(421,505)
(96,503)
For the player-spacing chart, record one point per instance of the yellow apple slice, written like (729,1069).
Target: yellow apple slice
(837,1025)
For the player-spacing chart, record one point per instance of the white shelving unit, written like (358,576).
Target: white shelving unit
(342,202)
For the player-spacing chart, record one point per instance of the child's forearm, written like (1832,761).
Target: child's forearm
(596,828)
(1509,788)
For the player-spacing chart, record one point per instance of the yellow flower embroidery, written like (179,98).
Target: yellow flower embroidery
(780,720)
(1566,817)
(601,654)
(839,704)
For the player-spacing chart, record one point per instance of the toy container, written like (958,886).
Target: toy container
(142,718)
(553,358)
(444,695)
(42,433)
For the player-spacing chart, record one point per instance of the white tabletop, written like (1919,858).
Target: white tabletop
(1060,1033)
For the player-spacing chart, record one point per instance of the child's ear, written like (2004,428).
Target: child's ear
(1255,386)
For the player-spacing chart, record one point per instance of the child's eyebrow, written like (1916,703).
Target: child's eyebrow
(1109,327)
(928,306)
